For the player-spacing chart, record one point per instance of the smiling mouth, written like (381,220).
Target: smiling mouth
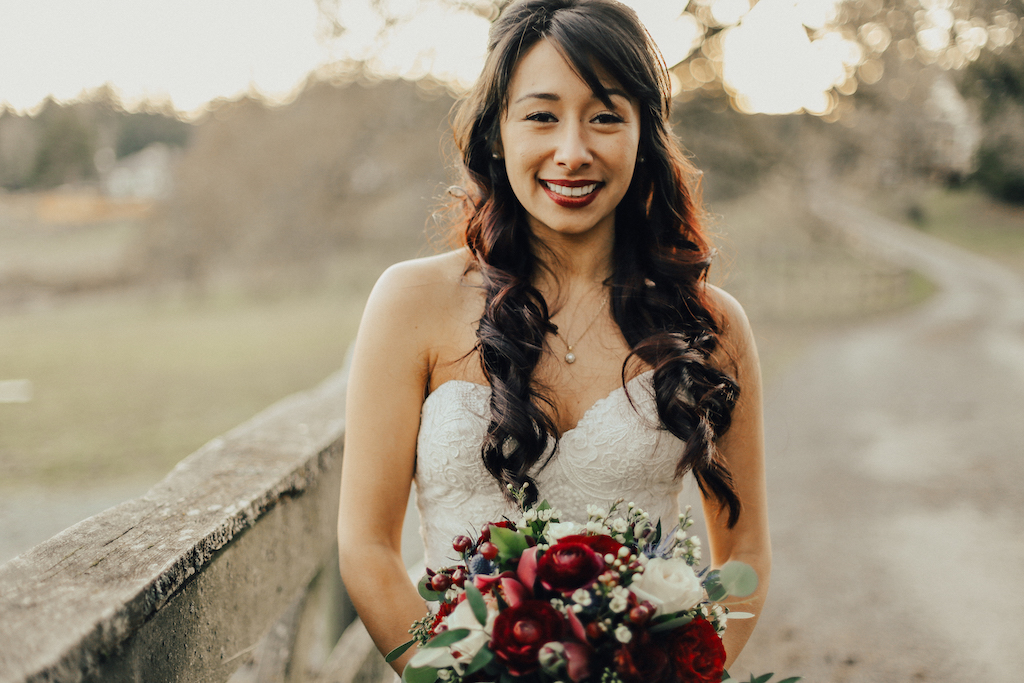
(572,192)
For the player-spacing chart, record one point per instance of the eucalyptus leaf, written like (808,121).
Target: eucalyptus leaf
(761,679)
(794,679)
(426,674)
(671,624)
(510,543)
(447,638)
(482,659)
(713,585)
(738,578)
(476,603)
(399,651)
(426,592)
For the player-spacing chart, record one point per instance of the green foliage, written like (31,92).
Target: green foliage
(476,602)
(1000,175)
(399,651)
(138,130)
(424,674)
(739,579)
(66,148)
(510,543)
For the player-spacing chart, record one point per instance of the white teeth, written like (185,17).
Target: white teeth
(571,191)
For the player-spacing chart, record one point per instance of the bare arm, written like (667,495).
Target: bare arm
(389,371)
(742,448)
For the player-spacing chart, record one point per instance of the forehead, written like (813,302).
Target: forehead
(544,70)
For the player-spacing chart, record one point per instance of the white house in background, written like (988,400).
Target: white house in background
(143,175)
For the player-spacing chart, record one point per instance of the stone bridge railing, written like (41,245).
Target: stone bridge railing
(224,571)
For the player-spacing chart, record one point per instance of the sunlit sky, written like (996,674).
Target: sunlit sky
(192,51)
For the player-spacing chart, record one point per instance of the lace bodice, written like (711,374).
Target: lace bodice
(615,451)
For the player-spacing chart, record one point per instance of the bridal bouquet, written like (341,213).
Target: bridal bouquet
(614,600)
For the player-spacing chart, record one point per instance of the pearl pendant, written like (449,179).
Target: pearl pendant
(570,358)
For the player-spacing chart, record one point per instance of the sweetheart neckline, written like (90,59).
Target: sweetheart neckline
(579,423)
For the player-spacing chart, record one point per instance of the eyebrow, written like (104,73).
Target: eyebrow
(551,97)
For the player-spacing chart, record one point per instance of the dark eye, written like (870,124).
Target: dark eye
(607,118)
(541,117)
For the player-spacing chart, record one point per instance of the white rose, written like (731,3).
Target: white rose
(462,652)
(670,585)
(558,530)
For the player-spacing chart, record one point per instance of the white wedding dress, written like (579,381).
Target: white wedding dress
(615,451)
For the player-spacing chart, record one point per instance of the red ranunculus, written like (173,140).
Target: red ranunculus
(520,632)
(642,661)
(601,544)
(696,652)
(568,565)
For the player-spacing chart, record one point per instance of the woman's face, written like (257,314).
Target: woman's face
(569,156)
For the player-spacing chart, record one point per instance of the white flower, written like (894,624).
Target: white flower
(582,597)
(444,674)
(620,599)
(596,512)
(596,528)
(461,652)
(530,515)
(545,515)
(623,634)
(670,585)
(557,530)
(620,525)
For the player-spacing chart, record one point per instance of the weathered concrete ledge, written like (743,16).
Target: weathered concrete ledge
(180,583)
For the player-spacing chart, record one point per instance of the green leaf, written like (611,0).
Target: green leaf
(482,659)
(543,505)
(399,651)
(726,676)
(447,638)
(760,679)
(738,579)
(794,679)
(426,592)
(511,544)
(671,624)
(476,602)
(425,674)
(713,585)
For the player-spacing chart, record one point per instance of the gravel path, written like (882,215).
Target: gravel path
(896,483)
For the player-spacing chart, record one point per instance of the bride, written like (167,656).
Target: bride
(571,343)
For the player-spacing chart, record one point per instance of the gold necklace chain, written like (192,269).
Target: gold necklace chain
(570,356)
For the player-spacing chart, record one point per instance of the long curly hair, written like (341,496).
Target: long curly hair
(660,262)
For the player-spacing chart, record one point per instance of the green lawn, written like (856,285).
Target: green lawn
(124,386)
(973,220)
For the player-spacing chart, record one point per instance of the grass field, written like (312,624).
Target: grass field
(973,220)
(125,384)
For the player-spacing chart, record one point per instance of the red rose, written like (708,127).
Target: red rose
(520,632)
(696,652)
(568,565)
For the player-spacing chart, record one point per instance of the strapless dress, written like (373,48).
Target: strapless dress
(616,451)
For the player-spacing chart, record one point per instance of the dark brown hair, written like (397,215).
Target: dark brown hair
(661,255)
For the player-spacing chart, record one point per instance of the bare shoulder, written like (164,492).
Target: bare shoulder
(419,307)
(734,322)
(737,348)
(420,289)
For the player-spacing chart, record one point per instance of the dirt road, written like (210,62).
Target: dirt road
(896,479)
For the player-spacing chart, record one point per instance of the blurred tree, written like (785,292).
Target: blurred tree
(995,82)
(138,130)
(66,147)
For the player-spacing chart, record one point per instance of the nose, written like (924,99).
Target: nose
(573,150)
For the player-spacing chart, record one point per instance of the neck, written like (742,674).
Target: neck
(574,263)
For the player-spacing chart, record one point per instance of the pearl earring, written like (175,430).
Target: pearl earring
(495,155)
